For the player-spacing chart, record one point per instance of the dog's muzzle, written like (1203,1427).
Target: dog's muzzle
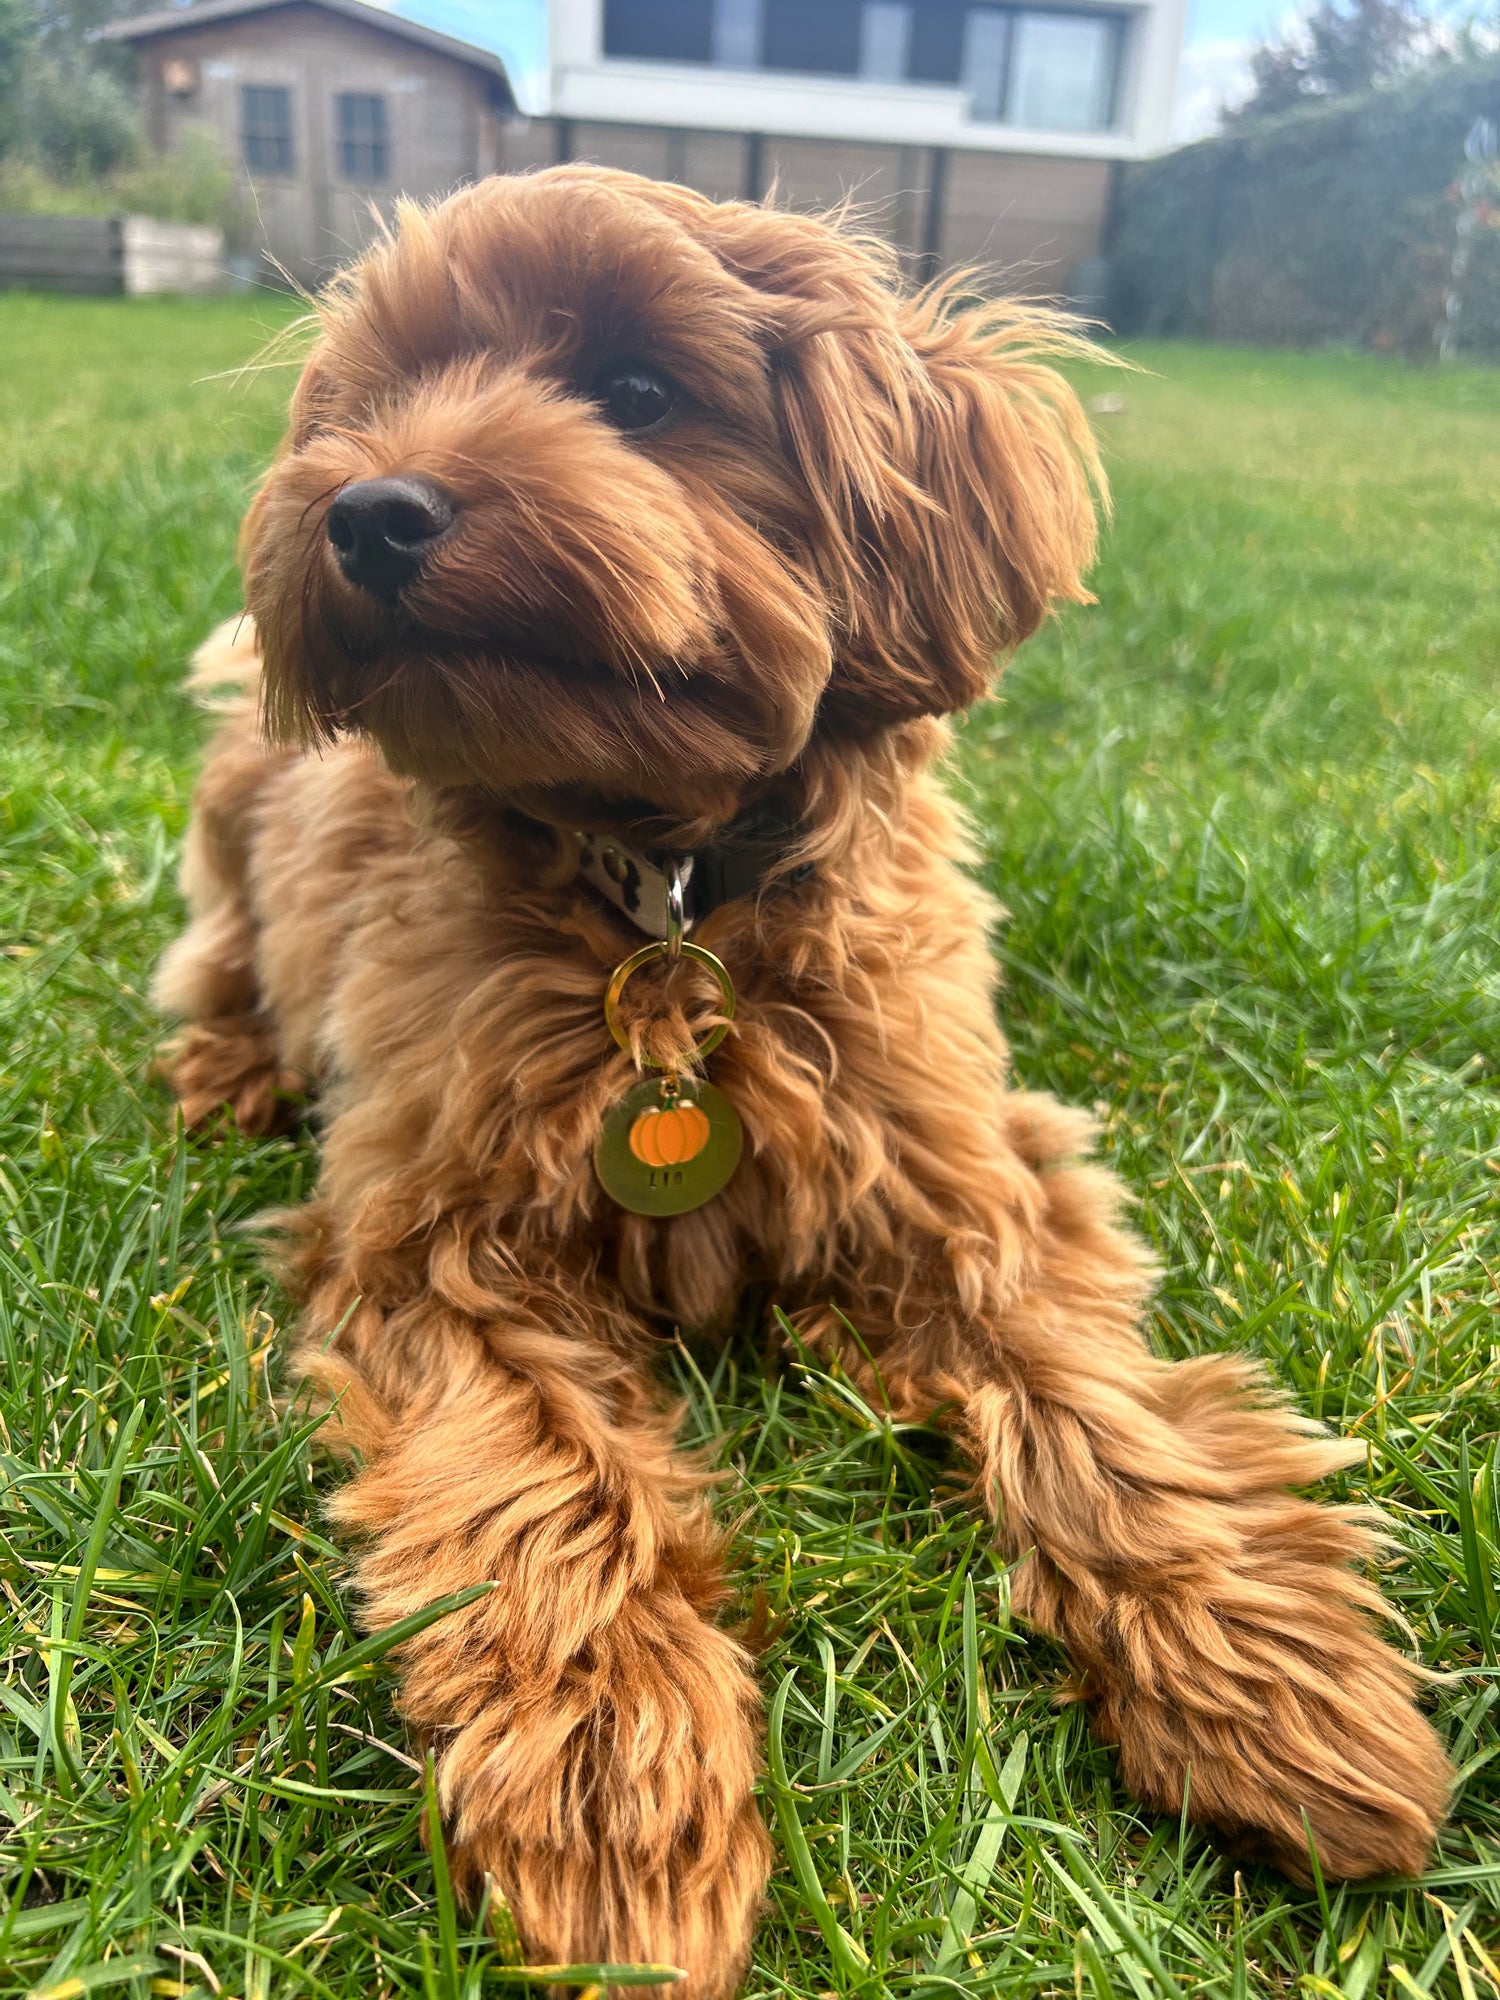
(382,531)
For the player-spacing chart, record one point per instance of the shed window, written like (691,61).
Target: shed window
(266,128)
(364,148)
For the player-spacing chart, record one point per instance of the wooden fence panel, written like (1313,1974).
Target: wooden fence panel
(62,253)
(109,253)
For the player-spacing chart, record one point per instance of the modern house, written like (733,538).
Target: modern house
(970,131)
(973,130)
(331,107)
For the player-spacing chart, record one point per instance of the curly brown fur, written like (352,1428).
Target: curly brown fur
(860,502)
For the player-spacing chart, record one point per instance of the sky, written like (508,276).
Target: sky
(1215,67)
(1220,34)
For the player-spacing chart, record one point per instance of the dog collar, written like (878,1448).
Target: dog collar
(639,888)
(639,883)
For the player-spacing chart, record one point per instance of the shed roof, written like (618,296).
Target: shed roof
(177,20)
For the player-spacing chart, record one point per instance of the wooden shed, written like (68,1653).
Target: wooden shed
(331,107)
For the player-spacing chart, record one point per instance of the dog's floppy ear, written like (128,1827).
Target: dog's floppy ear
(956,480)
(1002,524)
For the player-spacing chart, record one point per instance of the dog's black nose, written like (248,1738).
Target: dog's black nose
(383,530)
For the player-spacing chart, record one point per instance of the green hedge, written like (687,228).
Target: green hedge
(1334,224)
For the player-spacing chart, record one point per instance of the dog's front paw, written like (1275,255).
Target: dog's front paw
(616,1812)
(1292,1720)
(596,1904)
(234,1063)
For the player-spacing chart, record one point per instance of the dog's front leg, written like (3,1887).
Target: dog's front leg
(596,1734)
(1219,1621)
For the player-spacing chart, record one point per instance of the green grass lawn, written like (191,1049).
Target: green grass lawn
(1244,815)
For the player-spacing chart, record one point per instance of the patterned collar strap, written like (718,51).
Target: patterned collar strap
(636,886)
(751,854)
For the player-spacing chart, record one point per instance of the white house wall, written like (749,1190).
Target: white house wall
(586,85)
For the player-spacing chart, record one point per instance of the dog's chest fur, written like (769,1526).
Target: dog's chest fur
(434,990)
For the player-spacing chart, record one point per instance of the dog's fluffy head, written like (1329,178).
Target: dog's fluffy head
(856,502)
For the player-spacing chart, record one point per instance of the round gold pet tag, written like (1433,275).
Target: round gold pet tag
(671,1143)
(667,1147)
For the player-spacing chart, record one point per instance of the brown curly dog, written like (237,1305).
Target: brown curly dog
(624,551)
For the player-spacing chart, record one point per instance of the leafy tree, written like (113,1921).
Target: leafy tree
(17,40)
(79,122)
(65,100)
(1343,47)
(65,27)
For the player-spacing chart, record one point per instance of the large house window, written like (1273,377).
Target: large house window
(1050,68)
(1063,72)
(266,128)
(738,33)
(985,73)
(660,30)
(1051,72)
(884,41)
(813,39)
(364,148)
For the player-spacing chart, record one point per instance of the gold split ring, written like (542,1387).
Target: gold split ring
(647,955)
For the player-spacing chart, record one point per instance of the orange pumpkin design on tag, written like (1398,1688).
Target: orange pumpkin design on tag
(670,1143)
(661,1152)
(669,1135)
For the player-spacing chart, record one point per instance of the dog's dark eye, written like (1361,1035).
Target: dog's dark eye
(634,397)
